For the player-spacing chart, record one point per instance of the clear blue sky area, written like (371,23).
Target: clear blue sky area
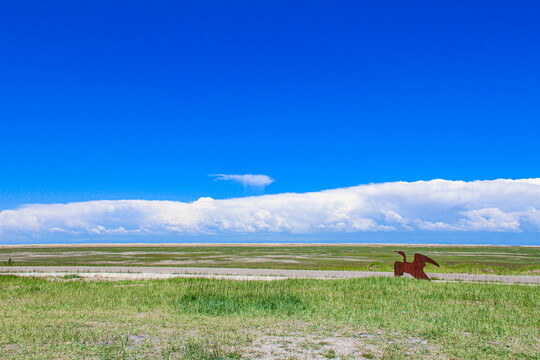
(143,100)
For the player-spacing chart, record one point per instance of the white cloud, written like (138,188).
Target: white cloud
(247,179)
(437,205)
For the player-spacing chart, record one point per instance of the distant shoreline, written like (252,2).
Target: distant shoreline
(245,245)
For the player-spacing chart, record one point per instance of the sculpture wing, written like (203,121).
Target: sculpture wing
(422,259)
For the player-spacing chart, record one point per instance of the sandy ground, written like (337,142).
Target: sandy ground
(139,272)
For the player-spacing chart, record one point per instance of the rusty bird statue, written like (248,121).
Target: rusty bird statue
(416,268)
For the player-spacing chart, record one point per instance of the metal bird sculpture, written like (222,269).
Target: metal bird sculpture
(416,268)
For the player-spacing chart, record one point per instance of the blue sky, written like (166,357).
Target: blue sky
(144,100)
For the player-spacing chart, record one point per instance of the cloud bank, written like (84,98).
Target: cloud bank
(436,205)
(247,179)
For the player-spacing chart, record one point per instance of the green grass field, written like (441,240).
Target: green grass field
(372,318)
(503,260)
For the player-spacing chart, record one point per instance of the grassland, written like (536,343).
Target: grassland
(381,318)
(502,260)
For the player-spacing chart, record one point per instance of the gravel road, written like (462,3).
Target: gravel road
(137,272)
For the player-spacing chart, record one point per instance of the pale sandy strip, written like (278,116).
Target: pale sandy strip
(148,276)
(228,272)
(142,276)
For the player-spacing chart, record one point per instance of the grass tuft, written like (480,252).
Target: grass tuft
(209,300)
(203,350)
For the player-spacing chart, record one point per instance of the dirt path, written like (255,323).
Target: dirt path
(136,272)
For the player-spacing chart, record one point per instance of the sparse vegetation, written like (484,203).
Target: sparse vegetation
(502,260)
(330,354)
(223,319)
(204,350)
